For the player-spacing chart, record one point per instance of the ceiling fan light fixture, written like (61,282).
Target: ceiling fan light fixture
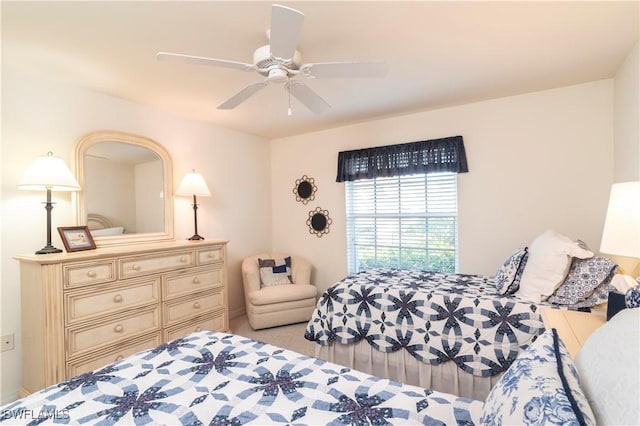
(278,75)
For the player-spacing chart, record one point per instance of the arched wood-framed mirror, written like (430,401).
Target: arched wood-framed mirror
(127,188)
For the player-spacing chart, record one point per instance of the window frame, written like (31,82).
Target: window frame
(431,182)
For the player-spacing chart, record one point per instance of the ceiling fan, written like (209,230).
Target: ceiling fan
(280,62)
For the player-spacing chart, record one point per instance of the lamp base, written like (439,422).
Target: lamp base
(48,249)
(196,237)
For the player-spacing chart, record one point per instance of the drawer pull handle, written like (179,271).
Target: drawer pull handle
(91,274)
(117,298)
(183,259)
(196,280)
(118,328)
(198,328)
(211,254)
(135,267)
(119,358)
(196,305)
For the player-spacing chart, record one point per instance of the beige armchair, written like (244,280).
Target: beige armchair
(279,304)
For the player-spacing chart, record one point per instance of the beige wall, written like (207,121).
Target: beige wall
(627,118)
(627,135)
(537,161)
(38,116)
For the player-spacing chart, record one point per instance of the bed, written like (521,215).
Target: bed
(218,378)
(453,333)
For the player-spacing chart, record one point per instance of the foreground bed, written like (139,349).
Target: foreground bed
(448,332)
(220,379)
(215,378)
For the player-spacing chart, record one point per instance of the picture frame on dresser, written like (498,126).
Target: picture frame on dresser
(76,238)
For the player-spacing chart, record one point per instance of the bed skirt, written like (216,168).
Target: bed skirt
(401,366)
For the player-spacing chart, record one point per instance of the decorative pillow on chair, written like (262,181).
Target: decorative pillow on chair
(585,276)
(275,271)
(540,387)
(507,279)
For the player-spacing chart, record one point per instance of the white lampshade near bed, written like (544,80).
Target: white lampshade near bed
(621,234)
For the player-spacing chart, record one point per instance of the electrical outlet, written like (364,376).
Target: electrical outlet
(7,343)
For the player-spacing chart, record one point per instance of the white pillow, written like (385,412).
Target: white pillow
(610,372)
(550,256)
(107,231)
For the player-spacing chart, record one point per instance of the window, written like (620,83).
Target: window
(407,222)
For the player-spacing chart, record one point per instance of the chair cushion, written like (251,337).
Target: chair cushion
(282,293)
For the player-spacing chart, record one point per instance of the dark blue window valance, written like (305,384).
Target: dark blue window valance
(432,156)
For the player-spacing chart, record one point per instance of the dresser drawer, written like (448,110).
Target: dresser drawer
(79,274)
(148,264)
(196,305)
(188,282)
(214,322)
(211,255)
(110,331)
(83,305)
(111,355)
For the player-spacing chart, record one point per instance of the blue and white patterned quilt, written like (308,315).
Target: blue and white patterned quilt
(436,317)
(211,378)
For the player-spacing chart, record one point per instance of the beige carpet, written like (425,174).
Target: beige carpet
(286,336)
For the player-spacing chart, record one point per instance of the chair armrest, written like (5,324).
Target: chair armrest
(250,276)
(301,270)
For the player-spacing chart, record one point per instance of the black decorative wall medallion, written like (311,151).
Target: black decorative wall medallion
(305,189)
(319,221)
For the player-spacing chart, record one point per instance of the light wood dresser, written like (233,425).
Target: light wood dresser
(83,310)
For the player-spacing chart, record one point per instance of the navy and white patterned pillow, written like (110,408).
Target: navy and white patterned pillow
(587,283)
(275,271)
(507,279)
(632,297)
(540,387)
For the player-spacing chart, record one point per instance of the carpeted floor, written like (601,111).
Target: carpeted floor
(286,336)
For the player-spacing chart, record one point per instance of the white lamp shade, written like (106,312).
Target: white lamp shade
(193,184)
(621,234)
(48,172)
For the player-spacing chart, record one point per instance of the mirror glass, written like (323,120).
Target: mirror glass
(126,185)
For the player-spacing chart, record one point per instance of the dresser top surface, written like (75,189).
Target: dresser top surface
(124,250)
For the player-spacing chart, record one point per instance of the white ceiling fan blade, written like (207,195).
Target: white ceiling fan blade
(308,97)
(344,69)
(201,60)
(243,95)
(286,24)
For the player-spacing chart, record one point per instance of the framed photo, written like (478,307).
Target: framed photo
(76,238)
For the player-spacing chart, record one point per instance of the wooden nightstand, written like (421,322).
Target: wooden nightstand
(574,328)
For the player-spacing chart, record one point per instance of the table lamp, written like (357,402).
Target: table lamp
(51,174)
(621,236)
(193,184)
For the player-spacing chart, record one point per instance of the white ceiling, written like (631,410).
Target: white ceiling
(438,53)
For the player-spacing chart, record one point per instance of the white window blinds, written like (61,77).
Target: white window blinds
(407,222)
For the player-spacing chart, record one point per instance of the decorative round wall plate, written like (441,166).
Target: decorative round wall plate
(319,221)
(305,189)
